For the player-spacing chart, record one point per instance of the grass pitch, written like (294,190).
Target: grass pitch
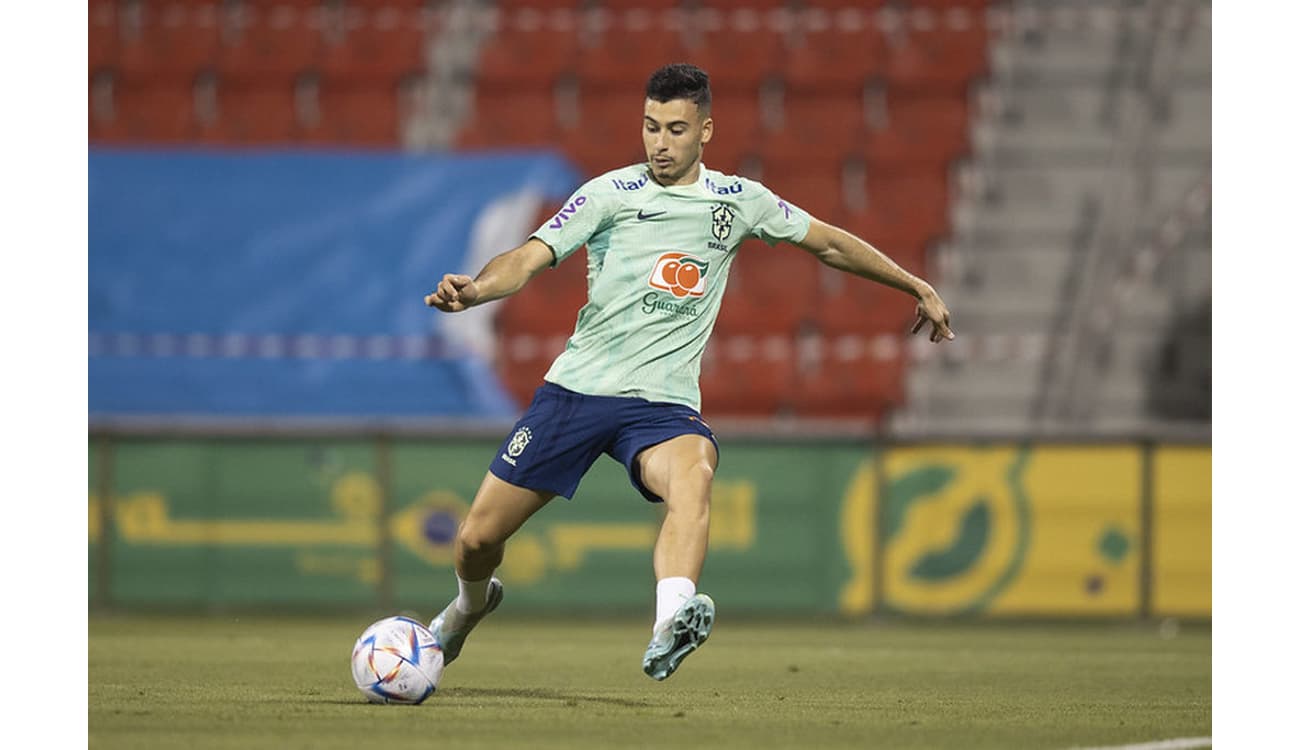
(267,682)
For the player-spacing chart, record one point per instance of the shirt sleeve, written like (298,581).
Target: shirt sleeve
(585,213)
(774,219)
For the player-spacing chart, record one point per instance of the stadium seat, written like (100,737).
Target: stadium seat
(378,43)
(729,155)
(771,290)
(154,113)
(522,361)
(102,34)
(938,59)
(549,304)
(819,127)
(526,58)
(360,115)
(950,4)
(815,185)
(746,376)
(925,130)
(509,117)
(595,156)
(897,234)
(172,41)
(280,40)
(846,304)
(904,236)
(514,5)
(625,59)
(738,58)
(843,4)
(848,383)
(835,60)
(728,5)
(611,115)
(256,116)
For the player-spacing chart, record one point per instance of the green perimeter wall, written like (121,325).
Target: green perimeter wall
(1088,530)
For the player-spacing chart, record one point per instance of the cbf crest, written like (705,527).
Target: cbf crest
(723,216)
(519,442)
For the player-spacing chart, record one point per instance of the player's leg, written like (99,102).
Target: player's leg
(680,471)
(498,510)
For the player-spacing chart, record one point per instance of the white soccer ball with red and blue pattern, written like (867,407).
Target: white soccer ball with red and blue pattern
(397,660)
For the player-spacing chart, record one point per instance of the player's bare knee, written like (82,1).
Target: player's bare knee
(474,542)
(696,477)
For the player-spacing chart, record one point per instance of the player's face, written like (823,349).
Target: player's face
(674,133)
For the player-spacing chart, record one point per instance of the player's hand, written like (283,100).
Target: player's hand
(931,309)
(455,292)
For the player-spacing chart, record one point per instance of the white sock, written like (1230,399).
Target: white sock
(670,594)
(473,594)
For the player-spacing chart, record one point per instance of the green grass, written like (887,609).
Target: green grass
(268,682)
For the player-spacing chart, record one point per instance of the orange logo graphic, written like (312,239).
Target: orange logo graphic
(679,274)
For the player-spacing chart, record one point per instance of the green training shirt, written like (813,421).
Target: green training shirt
(657,263)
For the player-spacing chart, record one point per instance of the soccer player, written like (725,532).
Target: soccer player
(660,238)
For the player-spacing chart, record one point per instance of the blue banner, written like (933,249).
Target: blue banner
(283,284)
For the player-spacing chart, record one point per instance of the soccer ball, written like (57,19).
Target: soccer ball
(397,660)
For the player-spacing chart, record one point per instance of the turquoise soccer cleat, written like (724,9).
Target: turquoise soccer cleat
(452,636)
(678,637)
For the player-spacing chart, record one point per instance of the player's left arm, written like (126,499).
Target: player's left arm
(845,252)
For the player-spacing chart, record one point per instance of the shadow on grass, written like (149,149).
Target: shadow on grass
(544,694)
(514,694)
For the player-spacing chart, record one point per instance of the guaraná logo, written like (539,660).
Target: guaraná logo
(680,274)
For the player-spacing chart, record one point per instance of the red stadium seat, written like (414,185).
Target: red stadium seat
(903,215)
(526,58)
(930,131)
(595,156)
(819,127)
(938,59)
(972,5)
(549,304)
(833,5)
(738,58)
(624,59)
(848,383)
(731,5)
(815,185)
(171,42)
(846,304)
(384,43)
(737,119)
(515,5)
(615,115)
(509,117)
(835,60)
(746,376)
(278,40)
(771,290)
(102,34)
(522,361)
(163,114)
(359,116)
(257,116)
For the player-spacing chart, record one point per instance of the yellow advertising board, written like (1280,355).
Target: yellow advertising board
(1181,532)
(1011,530)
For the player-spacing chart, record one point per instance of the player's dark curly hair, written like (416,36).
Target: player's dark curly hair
(680,81)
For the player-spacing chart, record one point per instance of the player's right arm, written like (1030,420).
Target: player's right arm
(501,277)
(585,212)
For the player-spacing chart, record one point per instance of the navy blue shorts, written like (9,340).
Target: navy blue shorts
(563,432)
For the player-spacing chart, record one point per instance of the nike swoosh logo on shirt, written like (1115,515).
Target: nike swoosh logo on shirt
(642,215)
